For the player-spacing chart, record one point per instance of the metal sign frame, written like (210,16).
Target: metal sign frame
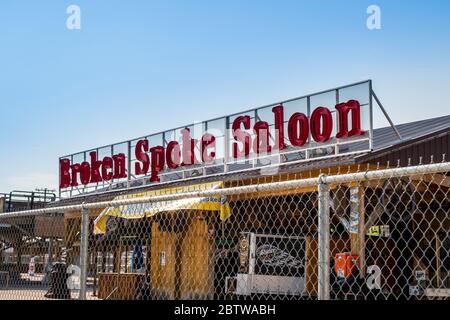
(225,164)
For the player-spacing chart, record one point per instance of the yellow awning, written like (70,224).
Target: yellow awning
(137,211)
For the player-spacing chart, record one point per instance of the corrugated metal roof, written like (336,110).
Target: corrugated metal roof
(386,137)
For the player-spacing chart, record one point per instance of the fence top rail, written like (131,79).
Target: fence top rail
(271,186)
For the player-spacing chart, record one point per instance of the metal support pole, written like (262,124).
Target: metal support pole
(84,252)
(371,115)
(49,265)
(324,241)
(387,116)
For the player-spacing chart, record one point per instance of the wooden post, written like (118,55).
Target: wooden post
(357,225)
(19,257)
(178,261)
(118,263)
(2,204)
(94,293)
(438,261)
(126,258)
(104,254)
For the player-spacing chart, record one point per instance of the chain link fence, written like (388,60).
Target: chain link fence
(361,234)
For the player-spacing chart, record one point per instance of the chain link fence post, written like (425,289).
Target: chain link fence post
(84,252)
(324,240)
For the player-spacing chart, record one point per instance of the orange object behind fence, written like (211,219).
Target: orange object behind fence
(345,264)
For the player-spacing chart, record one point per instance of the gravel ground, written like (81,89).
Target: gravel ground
(31,288)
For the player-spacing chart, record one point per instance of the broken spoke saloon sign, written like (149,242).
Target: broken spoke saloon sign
(325,124)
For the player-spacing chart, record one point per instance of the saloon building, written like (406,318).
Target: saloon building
(206,248)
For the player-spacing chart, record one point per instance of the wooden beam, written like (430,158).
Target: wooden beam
(436,178)
(267,194)
(438,261)
(93,213)
(287,192)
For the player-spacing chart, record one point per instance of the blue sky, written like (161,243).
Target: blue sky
(138,67)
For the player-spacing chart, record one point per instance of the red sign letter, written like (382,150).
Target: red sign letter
(95,168)
(343,109)
(120,166)
(279,127)
(208,141)
(261,143)
(188,148)
(106,167)
(64,173)
(321,124)
(297,138)
(173,155)
(85,172)
(241,136)
(75,170)
(142,156)
(157,162)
